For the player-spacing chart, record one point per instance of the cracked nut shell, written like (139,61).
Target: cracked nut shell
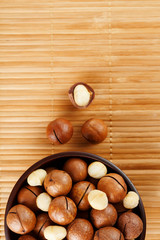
(80,229)
(27,196)
(82,97)
(130,224)
(59,131)
(57,183)
(108,233)
(62,210)
(76,168)
(43,221)
(79,194)
(20,219)
(114,186)
(94,130)
(104,218)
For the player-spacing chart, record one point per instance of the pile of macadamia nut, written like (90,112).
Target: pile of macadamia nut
(80,202)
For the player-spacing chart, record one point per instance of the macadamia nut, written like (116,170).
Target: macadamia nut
(81,95)
(43,201)
(97,199)
(131,200)
(37,177)
(97,170)
(55,233)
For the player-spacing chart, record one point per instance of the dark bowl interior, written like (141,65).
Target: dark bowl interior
(58,160)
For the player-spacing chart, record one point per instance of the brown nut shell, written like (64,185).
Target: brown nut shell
(76,168)
(59,131)
(79,194)
(27,196)
(20,219)
(26,237)
(108,233)
(114,186)
(62,210)
(43,221)
(57,183)
(130,224)
(94,130)
(80,229)
(104,218)
(71,94)
(120,208)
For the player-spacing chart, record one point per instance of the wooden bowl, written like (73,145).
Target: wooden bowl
(58,160)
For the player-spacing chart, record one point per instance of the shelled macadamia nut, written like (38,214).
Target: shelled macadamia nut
(97,199)
(27,196)
(130,224)
(94,130)
(20,219)
(97,170)
(79,194)
(59,131)
(43,201)
(80,229)
(57,183)
(81,95)
(26,237)
(76,168)
(131,200)
(105,217)
(62,210)
(108,233)
(114,186)
(55,233)
(36,178)
(43,221)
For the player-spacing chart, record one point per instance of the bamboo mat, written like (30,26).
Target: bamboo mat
(45,47)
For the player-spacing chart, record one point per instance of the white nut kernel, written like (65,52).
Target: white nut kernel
(97,199)
(37,177)
(43,201)
(81,95)
(55,233)
(131,200)
(97,170)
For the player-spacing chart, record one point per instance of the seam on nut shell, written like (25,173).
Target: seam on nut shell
(13,212)
(98,234)
(120,236)
(57,137)
(124,229)
(116,181)
(42,227)
(31,191)
(20,222)
(83,194)
(66,203)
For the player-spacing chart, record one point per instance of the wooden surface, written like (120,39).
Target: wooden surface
(45,47)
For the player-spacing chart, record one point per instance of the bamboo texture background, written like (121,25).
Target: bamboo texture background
(45,47)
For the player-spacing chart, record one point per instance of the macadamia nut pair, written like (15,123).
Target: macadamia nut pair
(79,229)
(60,131)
